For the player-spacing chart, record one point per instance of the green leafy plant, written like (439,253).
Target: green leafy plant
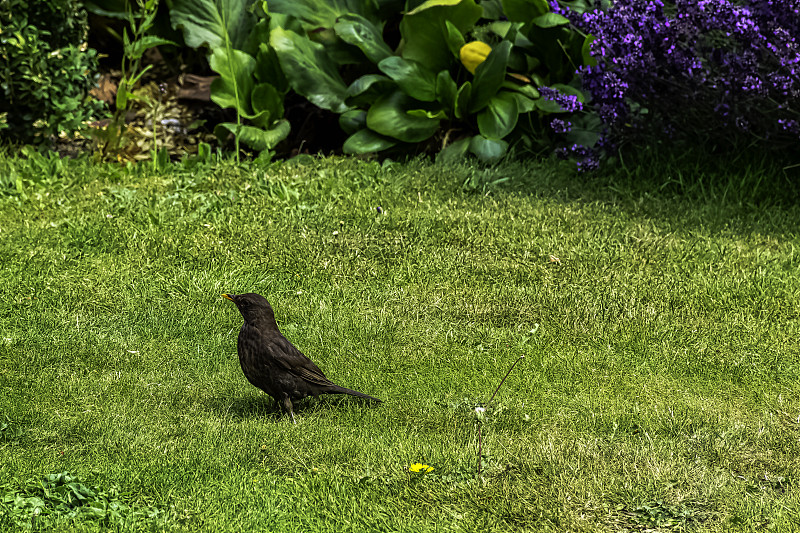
(63,499)
(251,81)
(134,46)
(46,71)
(461,79)
(10,433)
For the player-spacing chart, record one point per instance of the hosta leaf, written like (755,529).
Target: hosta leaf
(309,70)
(414,79)
(233,87)
(366,89)
(388,116)
(524,10)
(267,103)
(256,138)
(489,76)
(446,90)
(211,22)
(454,152)
(455,39)
(488,150)
(550,20)
(463,97)
(498,118)
(366,141)
(360,32)
(586,51)
(353,120)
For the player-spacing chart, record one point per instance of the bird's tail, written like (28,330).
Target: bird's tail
(336,389)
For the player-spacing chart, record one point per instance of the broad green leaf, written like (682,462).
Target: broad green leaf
(212,22)
(498,118)
(500,27)
(256,138)
(267,104)
(117,9)
(286,22)
(550,20)
(463,97)
(524,10)
(455,39)
(586,51)
(524,103)
(492,9)
(366,141)
(258,35)
(414,79)
(353,120)
(368,88)
(388,116)
(313,14)
(427,114)
(537,80)
(489,76)
(268,68)
(488,150)
(446,90)
(360,32)
(122,94)
(425,34)
(522,88)
(517,61)
(454,152)
(233,87)
(433,3)
(548,106)
(309,70)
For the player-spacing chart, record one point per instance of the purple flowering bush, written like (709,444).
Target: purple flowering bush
(696,70)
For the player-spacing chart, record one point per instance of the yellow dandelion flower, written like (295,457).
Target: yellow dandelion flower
(419,467)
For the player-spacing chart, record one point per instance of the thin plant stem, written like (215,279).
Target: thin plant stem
(522,356)
(480,426)
(480,447)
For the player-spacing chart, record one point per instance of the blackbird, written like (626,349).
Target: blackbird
(272,363)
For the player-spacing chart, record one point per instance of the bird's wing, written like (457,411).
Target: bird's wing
(292,360)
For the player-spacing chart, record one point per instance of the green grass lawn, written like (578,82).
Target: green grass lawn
(659,389)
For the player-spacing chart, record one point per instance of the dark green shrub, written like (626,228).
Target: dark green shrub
(46,70)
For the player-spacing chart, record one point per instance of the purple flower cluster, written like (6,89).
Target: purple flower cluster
(569,102)
(586,158)
(700,67)
(560,126)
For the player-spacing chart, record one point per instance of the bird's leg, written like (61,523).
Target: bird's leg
(287,404)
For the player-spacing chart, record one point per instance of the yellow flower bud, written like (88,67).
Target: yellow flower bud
(473,54)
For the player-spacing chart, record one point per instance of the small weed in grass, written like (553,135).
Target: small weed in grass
(661,516)
(61,500)
(9,432)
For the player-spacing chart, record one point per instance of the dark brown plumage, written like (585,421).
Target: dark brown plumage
(272,363)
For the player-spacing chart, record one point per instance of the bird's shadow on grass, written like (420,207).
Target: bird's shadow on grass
(266,408)
(245,408)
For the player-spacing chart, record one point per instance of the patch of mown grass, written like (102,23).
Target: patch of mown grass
(658,391)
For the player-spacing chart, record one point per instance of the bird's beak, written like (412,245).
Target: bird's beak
(229,297)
